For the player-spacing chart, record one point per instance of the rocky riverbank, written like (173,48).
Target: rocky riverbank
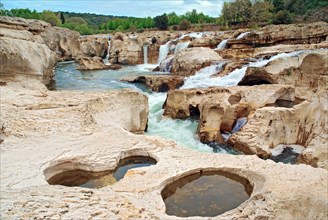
(44,133)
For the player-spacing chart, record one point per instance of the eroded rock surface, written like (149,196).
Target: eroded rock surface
(188,61)
(158,83)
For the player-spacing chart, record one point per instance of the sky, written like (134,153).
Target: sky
(135,8)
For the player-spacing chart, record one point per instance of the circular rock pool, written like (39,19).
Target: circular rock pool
(206,193)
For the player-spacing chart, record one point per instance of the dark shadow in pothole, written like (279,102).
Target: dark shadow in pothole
(89,179)
(205,193)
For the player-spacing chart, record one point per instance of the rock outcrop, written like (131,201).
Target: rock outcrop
(307,72)
(64,42)
(158,83)
(188,61)
(94,46)
(23,53)
(283,34)
(219,108)
(94,63)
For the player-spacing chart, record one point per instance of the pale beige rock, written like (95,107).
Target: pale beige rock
(64,42)
(188,61)
(158,83)
(23,57)
(219,108)
(91,63)
(307,72)
(94,46)
(283,34)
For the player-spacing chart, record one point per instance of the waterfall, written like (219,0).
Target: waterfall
(181,46)
(106,59)
(145,53)
(164,51)
(222,45)
(203,79)
(166,64)
(242,35)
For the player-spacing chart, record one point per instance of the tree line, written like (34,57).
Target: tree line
(234,12)
(271,11)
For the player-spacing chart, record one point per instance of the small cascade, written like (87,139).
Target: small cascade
(164,51)
(201,78)
(181,46)
(222,45)
(106,60)
(166,65)
(239,124)
(145,53)
(205,80)
(242,35)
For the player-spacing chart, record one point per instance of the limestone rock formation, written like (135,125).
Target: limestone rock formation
(94,63)
(94,46)
(219,108)
(24,53)
(283,34)
(64,42)
(158,83)
(307,72)
(190,60)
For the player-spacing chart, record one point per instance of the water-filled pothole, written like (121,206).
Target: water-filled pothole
(97,180)
(206,193)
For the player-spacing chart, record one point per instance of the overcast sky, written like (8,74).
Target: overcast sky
(136,8)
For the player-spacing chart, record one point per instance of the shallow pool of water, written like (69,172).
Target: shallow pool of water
(205,194)
(88,179)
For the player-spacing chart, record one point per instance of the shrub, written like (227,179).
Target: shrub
(184,25)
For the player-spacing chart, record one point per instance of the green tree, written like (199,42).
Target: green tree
(283,17)
(50,17)
(161,22)
(261,11)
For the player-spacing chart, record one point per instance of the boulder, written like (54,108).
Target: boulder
(188,61)
(64,42)
(94,46)
(26,58)
(158,83)
(91,63)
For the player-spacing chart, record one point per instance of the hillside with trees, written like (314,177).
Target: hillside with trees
(234,13)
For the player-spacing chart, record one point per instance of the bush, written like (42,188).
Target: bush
(283,17)
(184,25)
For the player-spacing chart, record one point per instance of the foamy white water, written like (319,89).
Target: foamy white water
(164,51)
(242,35)
(222,45)
(145,54)
(180,46)
(183,132)
(204,79)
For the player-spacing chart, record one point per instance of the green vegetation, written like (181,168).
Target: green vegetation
(252,13)
(244,12)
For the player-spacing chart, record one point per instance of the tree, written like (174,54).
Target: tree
(161,22)
(261,11)
(49,16)
(62,17)
(283,17)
